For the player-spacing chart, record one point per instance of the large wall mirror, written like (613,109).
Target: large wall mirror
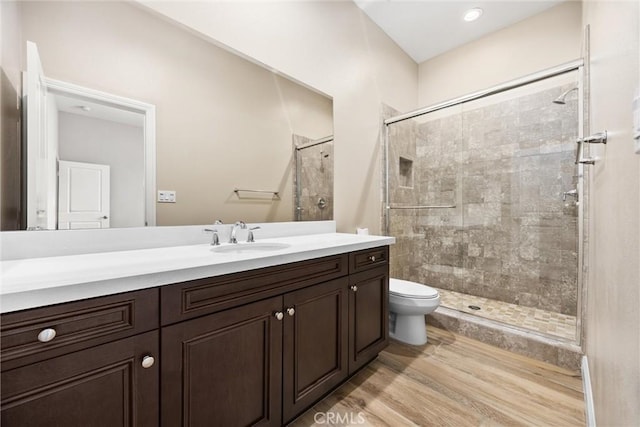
(184,131)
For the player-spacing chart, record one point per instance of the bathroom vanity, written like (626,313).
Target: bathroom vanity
(257,345)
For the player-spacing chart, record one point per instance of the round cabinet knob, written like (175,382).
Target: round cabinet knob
(354,288)
(372,258)
(148,361)
(46,335)
(279,315)
(291,311)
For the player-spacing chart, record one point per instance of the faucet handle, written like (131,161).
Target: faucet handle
(215,240)
(250,238)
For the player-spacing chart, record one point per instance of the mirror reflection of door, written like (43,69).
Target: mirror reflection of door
(83,190)
(69,123)
(41,147)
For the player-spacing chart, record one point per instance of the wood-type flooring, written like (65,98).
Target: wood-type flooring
(452,381)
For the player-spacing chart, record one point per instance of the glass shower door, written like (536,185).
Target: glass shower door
(313,180)
(484,205)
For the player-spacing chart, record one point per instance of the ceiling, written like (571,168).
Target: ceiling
(95,110)
(427,28)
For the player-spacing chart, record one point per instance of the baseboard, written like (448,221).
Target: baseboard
(588,395)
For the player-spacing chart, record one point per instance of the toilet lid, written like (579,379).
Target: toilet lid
(404,288)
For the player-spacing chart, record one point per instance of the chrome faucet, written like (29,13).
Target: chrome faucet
(239,224)
(250,238)
(215,240)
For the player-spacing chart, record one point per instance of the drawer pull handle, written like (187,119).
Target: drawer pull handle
(354,288)
(372,258)
(291,311)
(279,315)
(46,335)
(148,361)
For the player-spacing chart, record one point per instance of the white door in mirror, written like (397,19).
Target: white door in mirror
(84,195)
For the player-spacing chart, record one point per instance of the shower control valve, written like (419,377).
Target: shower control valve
(596,138)
(572,193)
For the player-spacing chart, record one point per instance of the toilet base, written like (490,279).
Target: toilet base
(409,329)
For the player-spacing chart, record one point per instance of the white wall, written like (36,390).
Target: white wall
(334,47)
(613,315)
(542,41)
(91,140)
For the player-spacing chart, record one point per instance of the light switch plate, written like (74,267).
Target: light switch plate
(166,196)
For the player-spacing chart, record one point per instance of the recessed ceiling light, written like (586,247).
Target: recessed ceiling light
(473,14)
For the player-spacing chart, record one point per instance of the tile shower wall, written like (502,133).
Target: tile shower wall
(504,166)
(316,180)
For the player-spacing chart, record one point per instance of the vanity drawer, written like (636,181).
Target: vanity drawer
(368,258)
(199,297)
(77,325)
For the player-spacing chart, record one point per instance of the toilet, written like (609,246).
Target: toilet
(408,304)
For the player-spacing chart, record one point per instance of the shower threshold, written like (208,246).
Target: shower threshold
(536,320)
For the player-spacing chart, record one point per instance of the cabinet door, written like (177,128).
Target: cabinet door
(100,386)
(315,344)
(224,369)
(368,316)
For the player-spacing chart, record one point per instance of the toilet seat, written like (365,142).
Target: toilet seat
(406,289)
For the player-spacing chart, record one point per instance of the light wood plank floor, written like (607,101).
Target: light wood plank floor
(453,381)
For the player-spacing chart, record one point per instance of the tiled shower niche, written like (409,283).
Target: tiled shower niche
(504,163)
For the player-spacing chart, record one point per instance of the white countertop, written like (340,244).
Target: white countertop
(34,282)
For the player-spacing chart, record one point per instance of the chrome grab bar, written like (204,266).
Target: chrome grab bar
(238,190)
(423,207)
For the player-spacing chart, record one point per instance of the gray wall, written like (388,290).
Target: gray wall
(89,140)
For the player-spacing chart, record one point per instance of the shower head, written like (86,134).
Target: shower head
(561,99)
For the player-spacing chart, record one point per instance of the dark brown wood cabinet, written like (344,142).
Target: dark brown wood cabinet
(252,348)
(81,363)
(225,368)
(105,385)
(368,316)
(316,333)
(258,364)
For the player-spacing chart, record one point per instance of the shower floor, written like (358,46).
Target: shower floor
(546,322)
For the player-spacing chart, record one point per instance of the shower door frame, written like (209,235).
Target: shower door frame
(567,67)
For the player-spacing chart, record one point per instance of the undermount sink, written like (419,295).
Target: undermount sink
(241,248)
